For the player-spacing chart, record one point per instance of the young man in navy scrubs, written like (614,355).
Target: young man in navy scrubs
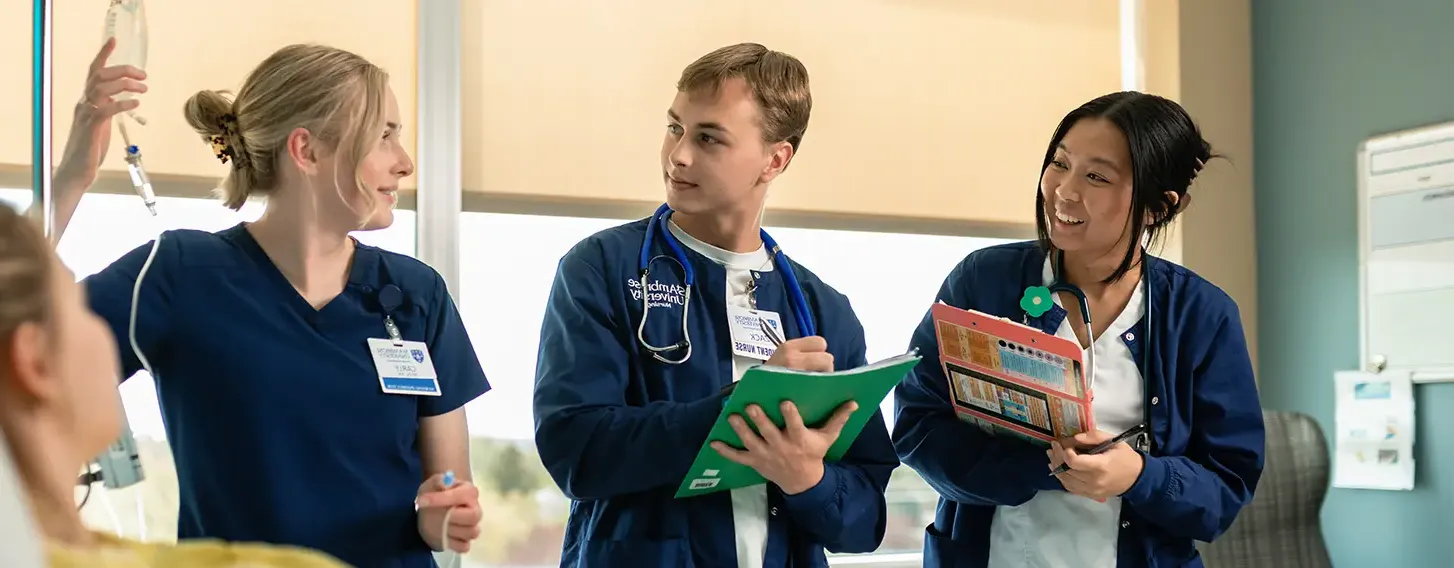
(618,428)
(279,347)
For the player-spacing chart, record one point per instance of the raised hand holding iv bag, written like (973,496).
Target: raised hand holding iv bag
(120,464)
(126,23)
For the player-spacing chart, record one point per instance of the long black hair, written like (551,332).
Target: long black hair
(1167,151)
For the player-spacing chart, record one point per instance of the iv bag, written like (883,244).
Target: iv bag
(126,22)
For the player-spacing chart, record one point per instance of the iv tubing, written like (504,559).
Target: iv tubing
(155,244)
(444,528)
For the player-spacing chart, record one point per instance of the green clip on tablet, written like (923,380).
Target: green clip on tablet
(816,395)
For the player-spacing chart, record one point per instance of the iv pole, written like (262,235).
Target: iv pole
(120,463)
(40,139)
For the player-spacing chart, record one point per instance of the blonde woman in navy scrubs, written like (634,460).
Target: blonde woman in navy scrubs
(262,337)
(1168,352)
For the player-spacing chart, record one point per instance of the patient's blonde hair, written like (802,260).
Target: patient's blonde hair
(25,273)
(335,94)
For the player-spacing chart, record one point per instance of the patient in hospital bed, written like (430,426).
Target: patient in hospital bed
(59,407)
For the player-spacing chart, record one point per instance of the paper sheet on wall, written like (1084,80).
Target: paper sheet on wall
(1375,430)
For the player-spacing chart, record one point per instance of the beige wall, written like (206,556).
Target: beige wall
(929,114)
(192,46)
(1161,57)
(1201,54)
(923,109)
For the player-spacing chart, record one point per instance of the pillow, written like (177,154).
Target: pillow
(19,542)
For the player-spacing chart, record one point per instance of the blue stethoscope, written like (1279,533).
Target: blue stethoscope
(658,223)
(1058,285)
(1032,308)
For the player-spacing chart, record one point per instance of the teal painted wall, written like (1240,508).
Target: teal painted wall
(1326,75)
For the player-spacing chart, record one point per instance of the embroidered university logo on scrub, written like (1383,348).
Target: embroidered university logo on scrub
(654,296)
(665,300)
(657,294)
(404,366)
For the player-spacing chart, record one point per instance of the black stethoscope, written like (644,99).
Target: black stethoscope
(689,278)
(1038,300)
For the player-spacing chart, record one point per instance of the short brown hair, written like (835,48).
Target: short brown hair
(25,273)
(778,81)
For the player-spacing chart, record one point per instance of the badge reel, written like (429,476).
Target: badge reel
(404,367)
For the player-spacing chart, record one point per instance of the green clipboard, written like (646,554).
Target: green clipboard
(816,395)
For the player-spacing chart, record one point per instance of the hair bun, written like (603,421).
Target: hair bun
(1204,155)
(205,112)
(210,114)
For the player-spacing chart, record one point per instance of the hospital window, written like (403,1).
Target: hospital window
(502,295)
(105,227)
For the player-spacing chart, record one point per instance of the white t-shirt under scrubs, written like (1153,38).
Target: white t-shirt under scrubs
(1057,529)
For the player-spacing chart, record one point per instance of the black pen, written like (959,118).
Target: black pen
(769,332)
(1127,435)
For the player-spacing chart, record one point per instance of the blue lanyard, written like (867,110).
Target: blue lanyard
(801,314)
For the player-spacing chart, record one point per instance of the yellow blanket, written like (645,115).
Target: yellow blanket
(111,552)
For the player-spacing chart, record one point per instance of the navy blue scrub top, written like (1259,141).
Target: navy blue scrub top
(279,427)
(618,430)
(1207,437)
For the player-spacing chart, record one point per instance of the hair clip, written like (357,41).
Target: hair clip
(220,146)
(222,149)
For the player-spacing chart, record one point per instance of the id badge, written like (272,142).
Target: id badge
(404,368)
(748,340)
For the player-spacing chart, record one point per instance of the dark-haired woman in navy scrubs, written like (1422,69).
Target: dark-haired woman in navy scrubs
(1165,348)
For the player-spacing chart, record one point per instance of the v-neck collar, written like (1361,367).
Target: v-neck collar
(358,267)
(1125,320)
